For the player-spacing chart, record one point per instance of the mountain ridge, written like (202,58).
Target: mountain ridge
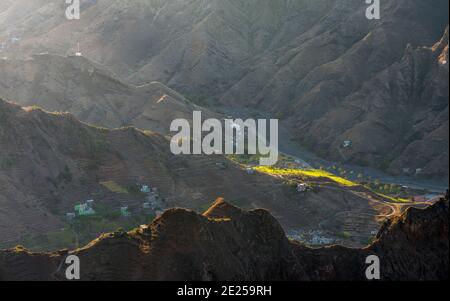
(50,161)
(299,61)
(227,243)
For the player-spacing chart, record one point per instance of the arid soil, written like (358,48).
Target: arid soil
(227,243)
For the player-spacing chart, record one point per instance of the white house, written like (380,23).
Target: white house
(124,211)
(145,189)
(347,143)
(302,187)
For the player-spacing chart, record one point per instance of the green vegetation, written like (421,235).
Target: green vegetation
(310,173)
(344,235)
(391,192)
(84,229)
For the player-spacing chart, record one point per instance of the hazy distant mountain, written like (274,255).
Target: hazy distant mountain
(91,93)
(313,63)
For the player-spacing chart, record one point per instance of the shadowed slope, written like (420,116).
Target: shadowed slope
(227,243)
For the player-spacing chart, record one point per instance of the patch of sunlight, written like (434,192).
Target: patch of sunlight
(311,173)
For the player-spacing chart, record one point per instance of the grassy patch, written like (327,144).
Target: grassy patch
(310,173)
(394,199)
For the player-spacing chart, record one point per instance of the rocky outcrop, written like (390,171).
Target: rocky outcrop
(226,243)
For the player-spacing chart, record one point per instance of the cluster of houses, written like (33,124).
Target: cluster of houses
(153,200)
(153,203)
(311,237)
(83,209)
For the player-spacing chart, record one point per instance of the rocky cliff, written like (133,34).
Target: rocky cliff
(227,243)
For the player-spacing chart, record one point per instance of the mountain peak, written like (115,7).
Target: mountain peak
(221,209)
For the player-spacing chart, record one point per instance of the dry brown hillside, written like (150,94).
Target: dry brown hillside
(398,119)
(91,93)
(318,64)
(51,161)
(227,243)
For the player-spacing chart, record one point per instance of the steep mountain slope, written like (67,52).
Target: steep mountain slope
(314,63)
(398,119)
(226,243)
(50,162)
(91,93)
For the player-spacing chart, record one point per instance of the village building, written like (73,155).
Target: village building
(347,143)
(70,216)
(124,211)
(145,189)
(85,209)
(302,187)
